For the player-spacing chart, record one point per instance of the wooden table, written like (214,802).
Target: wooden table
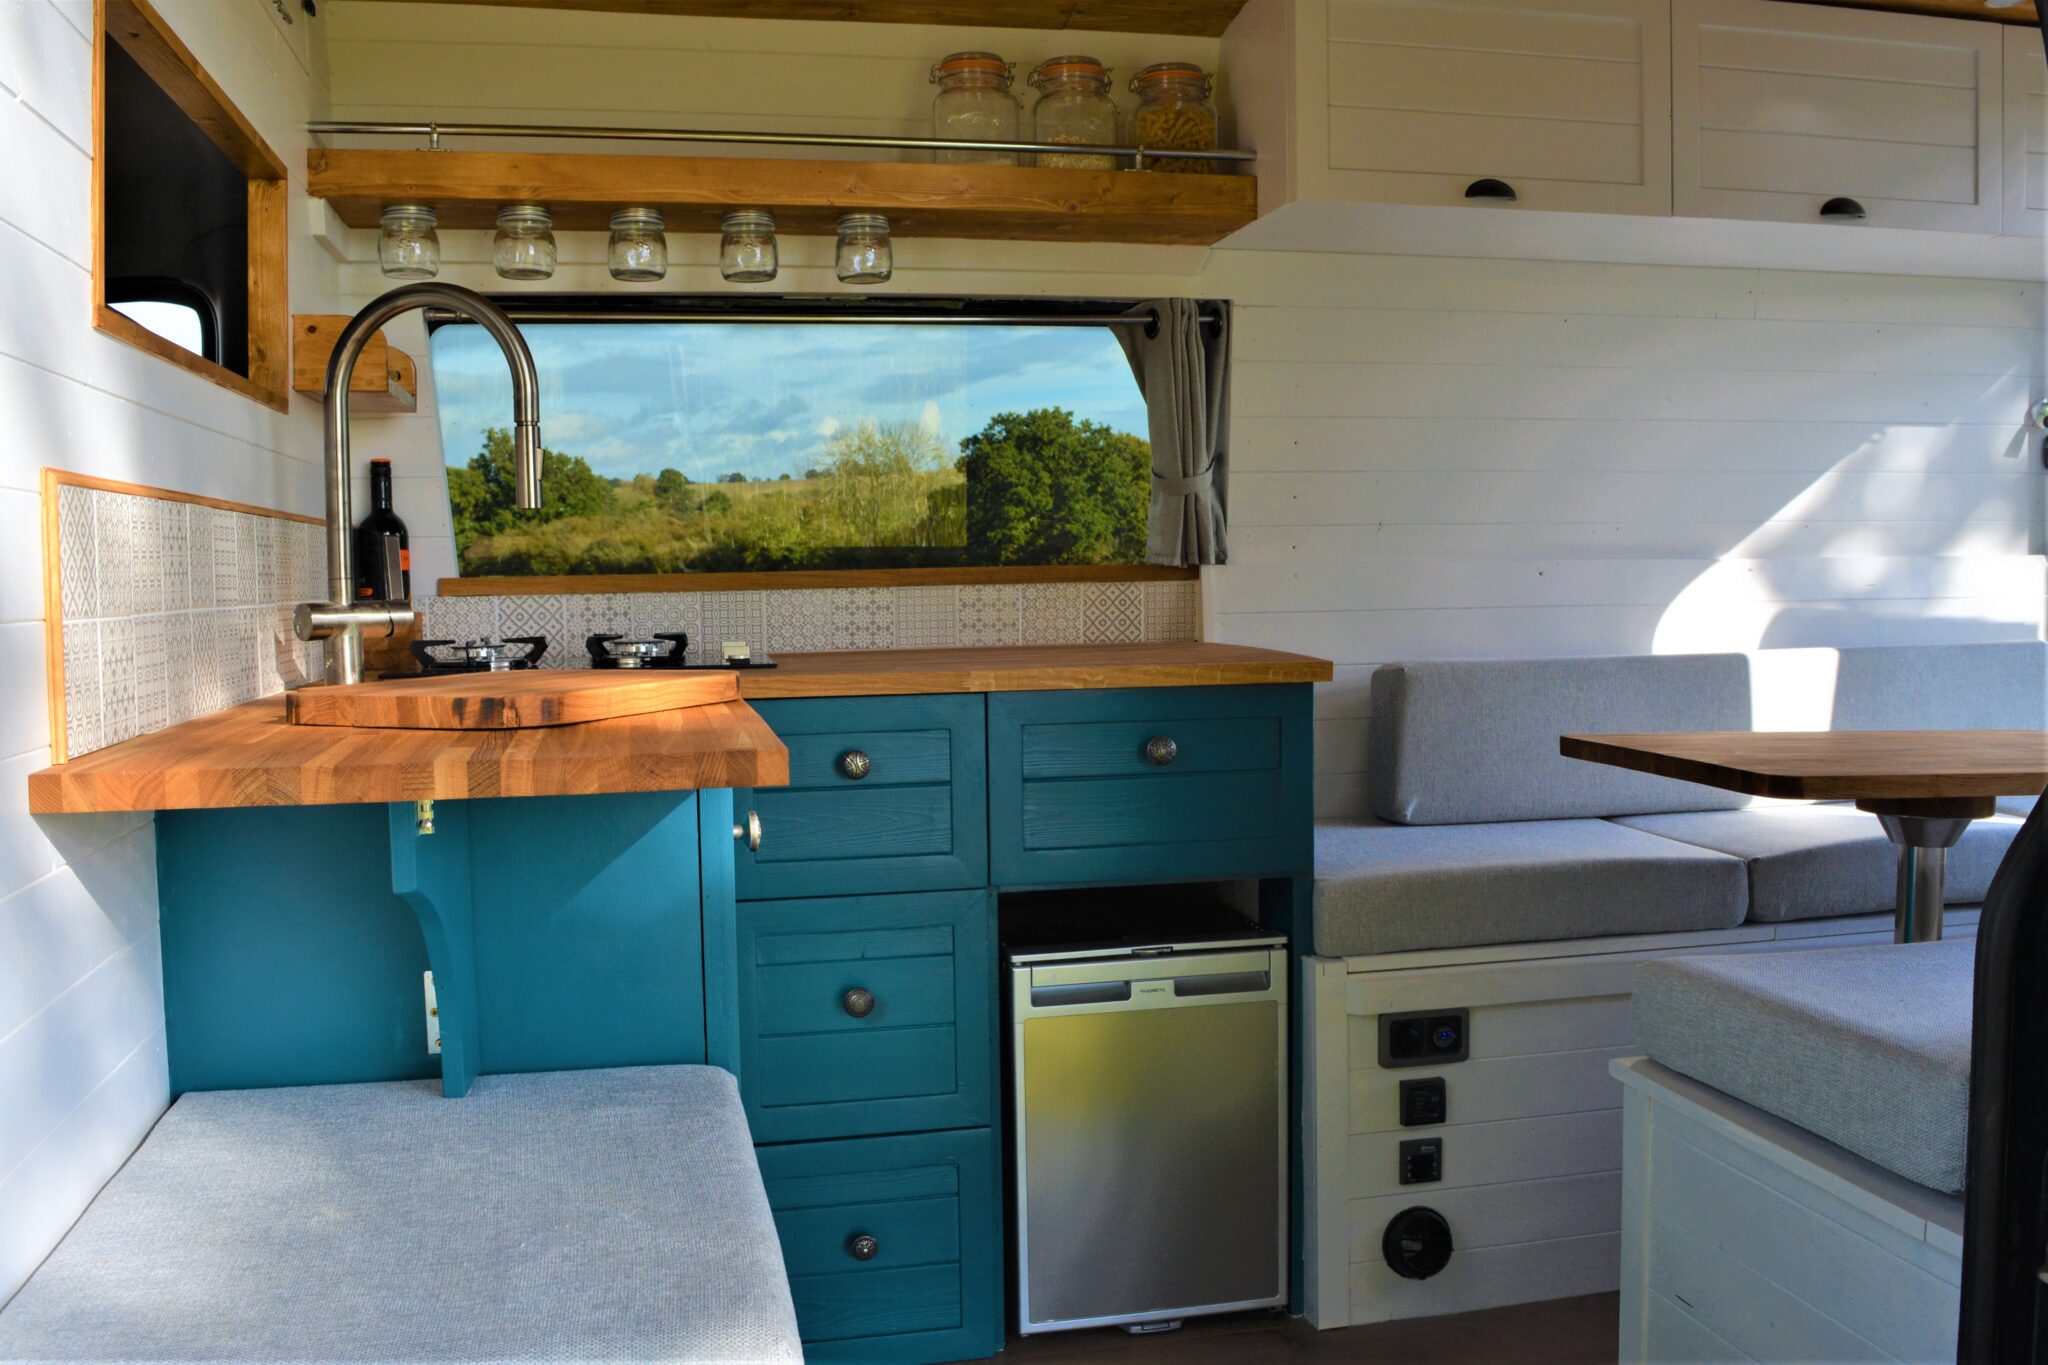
(1924,786)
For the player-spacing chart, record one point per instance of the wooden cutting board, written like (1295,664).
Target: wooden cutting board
(507,701)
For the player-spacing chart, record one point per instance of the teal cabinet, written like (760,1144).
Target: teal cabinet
(884,794)
(1149,784)
(866,1014)
(893,1244)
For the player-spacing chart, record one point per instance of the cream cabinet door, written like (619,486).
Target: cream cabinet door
(2026,134)
(1780,112)
(1565,102)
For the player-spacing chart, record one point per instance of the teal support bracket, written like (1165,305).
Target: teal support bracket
(430,873)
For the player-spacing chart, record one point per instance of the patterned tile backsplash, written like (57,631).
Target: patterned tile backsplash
(800,620)
(173,609)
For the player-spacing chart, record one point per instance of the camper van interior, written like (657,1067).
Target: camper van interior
(1071,680)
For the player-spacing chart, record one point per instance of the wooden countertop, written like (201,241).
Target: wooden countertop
(249,755)
(1026,668)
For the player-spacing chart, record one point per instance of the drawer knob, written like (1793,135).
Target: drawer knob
(750,831)
(858,1002)
(862,1247)
(854,765)
(1160,751)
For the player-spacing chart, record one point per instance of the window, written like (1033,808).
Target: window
(710,445)
(190,264)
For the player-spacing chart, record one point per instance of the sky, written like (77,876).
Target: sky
(766,398)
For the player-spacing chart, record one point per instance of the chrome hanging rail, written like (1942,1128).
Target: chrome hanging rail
(434,132)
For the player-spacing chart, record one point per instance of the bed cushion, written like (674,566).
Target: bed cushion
(1867,1047)
(1813,862)
(595,1215)
(1393,888)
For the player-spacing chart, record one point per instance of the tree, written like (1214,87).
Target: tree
(481,495)
(875,480)
(1043,488)
(735,477)
(672,492)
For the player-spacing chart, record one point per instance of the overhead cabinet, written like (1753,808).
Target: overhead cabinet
(2026,135)
(1808,113)
(1548,104)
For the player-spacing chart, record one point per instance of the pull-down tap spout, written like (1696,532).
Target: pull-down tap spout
(341,621)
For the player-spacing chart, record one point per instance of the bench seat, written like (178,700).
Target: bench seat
(1817,862)
(596,1215)
(1384,888)
(1866,1047)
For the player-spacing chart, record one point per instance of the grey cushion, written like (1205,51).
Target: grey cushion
(1466,741)
(1391,888)
(2018,806)
(1867,1047)
(1810,862)
(596,1215)
(1941,687)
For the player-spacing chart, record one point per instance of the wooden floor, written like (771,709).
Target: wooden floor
(1563,1332)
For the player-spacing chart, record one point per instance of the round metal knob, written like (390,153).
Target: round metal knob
(862,1247)
(750,831)
(1160,751)
(854,765)
(858,1002)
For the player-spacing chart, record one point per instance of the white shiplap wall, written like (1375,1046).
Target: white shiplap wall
(1434,457)
(82,1072)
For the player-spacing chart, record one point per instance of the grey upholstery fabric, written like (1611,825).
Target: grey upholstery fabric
(2018,806)
(1182,368)
(1867,1047)
(1810,862)
(1949,687)
(596,1215)
(1470,741)
(1391,888)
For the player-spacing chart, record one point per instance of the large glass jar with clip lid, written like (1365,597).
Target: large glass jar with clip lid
(974,104)
(1074,109)
(1175,111)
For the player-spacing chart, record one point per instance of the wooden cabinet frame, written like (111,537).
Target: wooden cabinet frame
(145,36)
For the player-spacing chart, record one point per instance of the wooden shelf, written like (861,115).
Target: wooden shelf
(1017,203)
(385,378)
(1192,18)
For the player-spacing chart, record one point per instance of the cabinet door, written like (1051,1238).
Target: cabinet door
(1566,101)
(2026,134)
(1778,109)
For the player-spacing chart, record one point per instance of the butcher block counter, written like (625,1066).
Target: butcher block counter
(249,755)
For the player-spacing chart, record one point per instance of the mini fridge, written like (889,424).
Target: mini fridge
(1149,1131)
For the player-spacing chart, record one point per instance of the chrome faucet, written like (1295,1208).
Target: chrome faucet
(342,621)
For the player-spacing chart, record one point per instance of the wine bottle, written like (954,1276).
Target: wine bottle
(383,549)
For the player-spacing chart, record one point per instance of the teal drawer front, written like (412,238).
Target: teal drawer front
(915,819)
(930,1289)
(865,1014)
(1078,792)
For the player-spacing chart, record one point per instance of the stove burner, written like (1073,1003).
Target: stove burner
(616,651)
(479,656)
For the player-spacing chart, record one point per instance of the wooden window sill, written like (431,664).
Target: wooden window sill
(760,580)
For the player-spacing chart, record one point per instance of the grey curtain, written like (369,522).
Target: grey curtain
(1182,371)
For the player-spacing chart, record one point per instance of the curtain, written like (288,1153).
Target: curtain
(1182,371)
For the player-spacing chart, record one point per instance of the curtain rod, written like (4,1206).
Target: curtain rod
(444,315)
(434,132)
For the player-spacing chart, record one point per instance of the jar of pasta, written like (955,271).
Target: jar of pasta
(1175,112)
(1074,109)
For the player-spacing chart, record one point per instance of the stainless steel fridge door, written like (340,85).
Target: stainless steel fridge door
(1151,1137)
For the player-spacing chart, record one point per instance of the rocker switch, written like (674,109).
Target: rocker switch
(1423,1104)
(1422,1161)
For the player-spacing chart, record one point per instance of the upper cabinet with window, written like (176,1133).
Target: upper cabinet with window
(1544,104)
(1802,113)
(2026,134)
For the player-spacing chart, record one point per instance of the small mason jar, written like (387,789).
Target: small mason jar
(1074,107)
(864,253)
(639,251)
(974,104)
(746,251)
(408,247)
(524,248)
(1175,111)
